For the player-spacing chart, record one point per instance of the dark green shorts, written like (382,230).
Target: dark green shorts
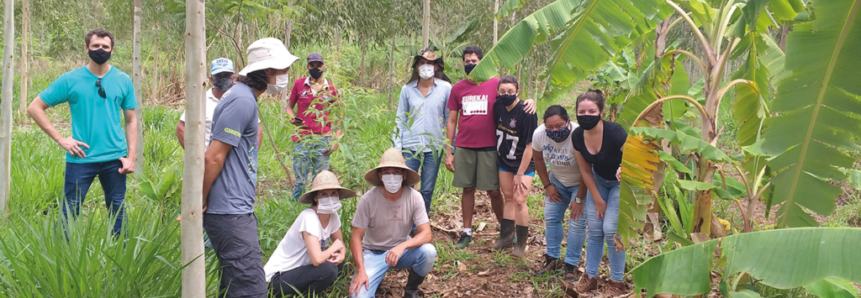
(475,168)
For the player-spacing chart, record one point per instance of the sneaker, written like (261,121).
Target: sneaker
(550,264)
(615,289)
(464,241)
(586,284)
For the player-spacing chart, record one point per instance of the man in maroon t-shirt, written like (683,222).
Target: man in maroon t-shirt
(474,158)
(315,96)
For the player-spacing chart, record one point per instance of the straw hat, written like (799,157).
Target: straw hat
(430,55)
(324,181)
(392,158)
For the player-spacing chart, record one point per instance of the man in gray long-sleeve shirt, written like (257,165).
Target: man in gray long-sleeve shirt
(421,117)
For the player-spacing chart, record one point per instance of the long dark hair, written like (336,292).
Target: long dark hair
(593,95)
(255,79)
(556,110)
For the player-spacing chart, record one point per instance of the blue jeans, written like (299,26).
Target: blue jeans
(79,177)
(429,171)
(421,259)
(554,214)
(308,161)
(601,231)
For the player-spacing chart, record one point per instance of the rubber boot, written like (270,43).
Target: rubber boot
(411,290)
(506,235)
(520,248)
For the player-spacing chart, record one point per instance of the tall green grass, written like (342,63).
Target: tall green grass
(37,260)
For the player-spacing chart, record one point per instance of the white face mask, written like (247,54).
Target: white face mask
(281,82)
(426,71)
(393,182)
(328,205)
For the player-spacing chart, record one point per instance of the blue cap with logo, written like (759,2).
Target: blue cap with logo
(221,65)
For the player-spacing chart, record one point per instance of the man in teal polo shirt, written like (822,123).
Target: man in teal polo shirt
(96,93)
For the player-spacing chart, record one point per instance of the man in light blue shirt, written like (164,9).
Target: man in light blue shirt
(96,94)
(421,117)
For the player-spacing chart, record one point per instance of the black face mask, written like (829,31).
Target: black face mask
(100,56)
(588,122)
(468,68)
(506,99)
(316,73)
(223,84)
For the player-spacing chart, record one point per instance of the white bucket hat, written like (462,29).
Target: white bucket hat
(267,53)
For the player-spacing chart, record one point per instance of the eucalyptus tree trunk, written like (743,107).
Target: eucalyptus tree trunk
(155,76)
(136,81)
(193,275)
(426,24)
(25,57)
(362,64)
(391,69)
(495,21)
(288,24)
(6,106)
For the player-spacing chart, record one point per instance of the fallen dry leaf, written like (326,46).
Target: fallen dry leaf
(461,266)
(481,226)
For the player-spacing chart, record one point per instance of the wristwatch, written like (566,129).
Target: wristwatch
(578,200)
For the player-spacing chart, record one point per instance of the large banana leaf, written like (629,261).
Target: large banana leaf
(640,164)
(783,259)
(591,32)
(818,106)
(686,142)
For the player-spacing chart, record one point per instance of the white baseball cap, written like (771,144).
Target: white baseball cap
(267,53)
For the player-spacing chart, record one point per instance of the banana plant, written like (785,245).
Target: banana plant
(817,106)
(819,258)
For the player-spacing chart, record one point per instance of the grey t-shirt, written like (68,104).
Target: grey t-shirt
(387,223)
(235,123)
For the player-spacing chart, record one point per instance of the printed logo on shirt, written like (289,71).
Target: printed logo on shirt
(512,123)
(475,105)
(557,156)
(233,132)
(395,213)
(252,166)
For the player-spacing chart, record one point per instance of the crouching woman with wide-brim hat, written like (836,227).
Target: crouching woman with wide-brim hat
(381,229)
(311,255)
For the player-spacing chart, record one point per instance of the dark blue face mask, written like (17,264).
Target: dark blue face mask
(559,135)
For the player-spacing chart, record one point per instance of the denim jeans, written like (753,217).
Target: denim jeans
(601,231)
(78,179)
(429,171)
(421,259)
(554,214)
(308,161)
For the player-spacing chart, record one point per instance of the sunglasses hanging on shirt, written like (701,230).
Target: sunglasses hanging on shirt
(101,90)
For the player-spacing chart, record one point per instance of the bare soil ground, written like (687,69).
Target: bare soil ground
(479,271)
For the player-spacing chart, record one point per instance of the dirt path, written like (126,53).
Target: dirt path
(478,271)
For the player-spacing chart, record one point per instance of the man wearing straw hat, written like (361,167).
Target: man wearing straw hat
(381,229)
(230,175)
(302,263)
